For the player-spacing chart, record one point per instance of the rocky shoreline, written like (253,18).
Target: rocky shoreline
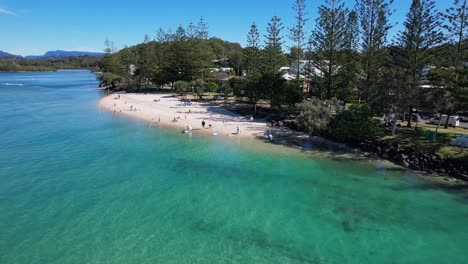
(413,159)
(408,157)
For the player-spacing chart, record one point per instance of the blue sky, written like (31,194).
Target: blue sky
(32,27)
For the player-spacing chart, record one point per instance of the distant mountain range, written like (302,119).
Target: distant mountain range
(5,54)
(57,54)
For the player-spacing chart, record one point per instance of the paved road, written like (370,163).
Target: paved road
(462,124)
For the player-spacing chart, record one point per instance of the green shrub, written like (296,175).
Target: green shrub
(226,89)
(199,86)
(315,115)
(110,79)
(211,87)
(181,86)
(354,124)
(236,85)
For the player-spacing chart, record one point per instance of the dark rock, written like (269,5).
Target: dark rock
(414,159)
(462,176)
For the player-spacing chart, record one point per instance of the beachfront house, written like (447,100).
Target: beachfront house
(308,70)
(223,77)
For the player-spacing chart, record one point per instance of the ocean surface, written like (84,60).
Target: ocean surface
(81,185)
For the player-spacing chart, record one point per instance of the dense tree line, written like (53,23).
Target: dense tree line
(20,64)
(358,63)
(350,58)
(187,55)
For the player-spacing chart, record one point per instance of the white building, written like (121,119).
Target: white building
(132,68)
(426,70)
(306,67)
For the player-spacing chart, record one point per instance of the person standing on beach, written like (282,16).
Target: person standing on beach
(203,123)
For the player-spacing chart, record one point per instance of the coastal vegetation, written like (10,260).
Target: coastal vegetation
(340,73)
(15,64)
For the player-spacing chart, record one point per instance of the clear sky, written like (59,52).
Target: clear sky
(32,27)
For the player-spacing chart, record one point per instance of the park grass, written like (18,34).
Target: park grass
(420,139)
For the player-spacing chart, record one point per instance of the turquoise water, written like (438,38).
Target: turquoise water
(78,185)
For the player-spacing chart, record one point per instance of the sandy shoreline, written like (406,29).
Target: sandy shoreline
(162,109)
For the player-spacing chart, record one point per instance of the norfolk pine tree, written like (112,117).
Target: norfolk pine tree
(274,57)
(252,54)
(252,60)
(373,18)
(328,40)
(421,33)
(201,32)
(297,32)
(349,72)
(456,25)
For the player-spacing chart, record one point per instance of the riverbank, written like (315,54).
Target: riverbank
(170,111)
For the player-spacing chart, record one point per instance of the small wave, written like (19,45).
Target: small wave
(12,84)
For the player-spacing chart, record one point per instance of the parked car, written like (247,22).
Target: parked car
(414,117)
(463,115)
(453,120)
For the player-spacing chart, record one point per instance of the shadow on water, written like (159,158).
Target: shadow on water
(252,236)
(460,190)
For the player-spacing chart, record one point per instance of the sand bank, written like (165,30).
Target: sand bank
(170,111)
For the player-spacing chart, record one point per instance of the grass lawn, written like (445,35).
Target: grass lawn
(420,140)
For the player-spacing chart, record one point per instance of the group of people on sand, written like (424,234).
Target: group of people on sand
(203,124)
(186,102)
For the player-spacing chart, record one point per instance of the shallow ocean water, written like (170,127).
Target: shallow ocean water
(80,185)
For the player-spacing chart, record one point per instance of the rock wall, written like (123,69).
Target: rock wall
(417,160)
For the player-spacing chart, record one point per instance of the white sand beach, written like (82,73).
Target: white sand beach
(170,111)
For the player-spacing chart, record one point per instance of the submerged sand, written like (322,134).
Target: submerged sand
(162,109)
(170,111)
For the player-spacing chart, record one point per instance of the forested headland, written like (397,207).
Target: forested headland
(16,64)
